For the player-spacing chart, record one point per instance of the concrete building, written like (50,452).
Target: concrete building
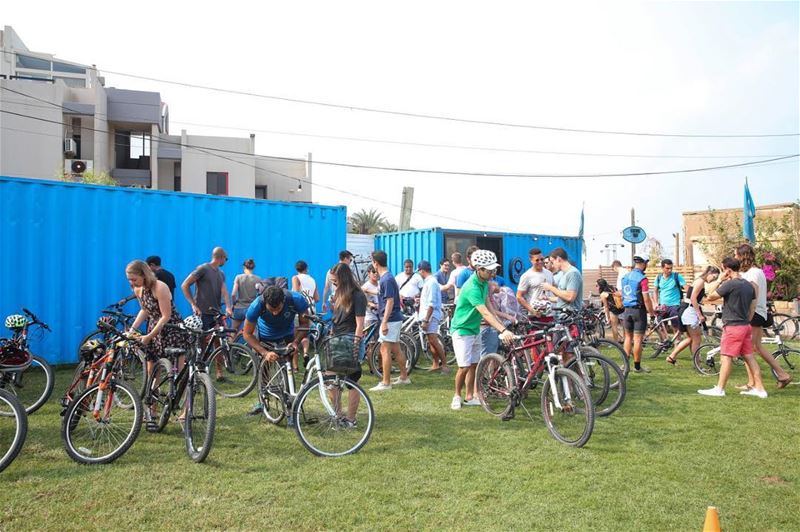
(696,229)
(57,117)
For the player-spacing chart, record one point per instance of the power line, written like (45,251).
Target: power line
(430,116)
(455,172)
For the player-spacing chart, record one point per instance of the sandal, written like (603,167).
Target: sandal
(672,360)
(783,382)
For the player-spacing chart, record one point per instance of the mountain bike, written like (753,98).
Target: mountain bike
(331,414)
(504,381)
(104,418)
(186,390)
(32,385)
(13,418)
(653,345)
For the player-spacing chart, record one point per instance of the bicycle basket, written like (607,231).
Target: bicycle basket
(340,355)
(12,358)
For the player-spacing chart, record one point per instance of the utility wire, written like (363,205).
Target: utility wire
(429,116)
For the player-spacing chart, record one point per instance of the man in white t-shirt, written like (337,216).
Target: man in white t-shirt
(622,271)
(409,282)
(530,290)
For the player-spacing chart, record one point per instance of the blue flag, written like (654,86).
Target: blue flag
(748,224)
(580,232)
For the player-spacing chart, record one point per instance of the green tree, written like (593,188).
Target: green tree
(369,222)
(89,177)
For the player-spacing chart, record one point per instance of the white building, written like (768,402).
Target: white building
(58,117)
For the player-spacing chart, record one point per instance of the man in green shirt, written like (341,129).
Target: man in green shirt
(466,325)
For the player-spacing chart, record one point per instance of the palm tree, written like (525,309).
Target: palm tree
(367,222)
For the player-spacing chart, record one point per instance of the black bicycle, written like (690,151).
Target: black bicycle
(13,419)
(183,386)
(32,385)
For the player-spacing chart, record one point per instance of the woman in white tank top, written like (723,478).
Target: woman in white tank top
(306,285)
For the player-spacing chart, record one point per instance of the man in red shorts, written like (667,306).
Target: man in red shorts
(739,305)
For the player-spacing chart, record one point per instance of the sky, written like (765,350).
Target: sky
(697,68)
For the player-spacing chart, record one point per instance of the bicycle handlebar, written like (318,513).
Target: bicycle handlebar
(35,320)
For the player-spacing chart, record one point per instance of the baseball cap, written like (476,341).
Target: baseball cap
(424,265)
(641,258)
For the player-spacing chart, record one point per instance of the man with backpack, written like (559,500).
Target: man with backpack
(273,312)
(669,292)
(636,300)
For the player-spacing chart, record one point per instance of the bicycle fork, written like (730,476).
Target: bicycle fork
(553,361)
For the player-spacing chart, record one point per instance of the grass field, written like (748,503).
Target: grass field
(656,464)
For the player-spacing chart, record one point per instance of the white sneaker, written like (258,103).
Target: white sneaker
(472,402)
(713,392)
(758,393)
(381,387)
(398,380)
(456,404)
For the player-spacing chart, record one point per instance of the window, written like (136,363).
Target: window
(261,191)
(78,83)
(25,61)
(140,145)
(70,69)
(177,176)
(217,183)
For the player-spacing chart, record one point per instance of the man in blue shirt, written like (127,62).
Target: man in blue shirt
(442,277)
(669,292)
(467,272)
(391,321)
(430,315)
(273,312)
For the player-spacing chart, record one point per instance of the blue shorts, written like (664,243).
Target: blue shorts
(239,314)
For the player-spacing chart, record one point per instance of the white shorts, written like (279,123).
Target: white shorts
(432,328)
(467,349)
(394,332)
(690,319)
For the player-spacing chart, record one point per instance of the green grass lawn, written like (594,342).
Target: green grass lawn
(656,464)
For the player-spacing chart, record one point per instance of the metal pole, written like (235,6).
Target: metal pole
(633,246)
(677,249)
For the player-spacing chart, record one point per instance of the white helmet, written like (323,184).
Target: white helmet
(483,258)
(193,322)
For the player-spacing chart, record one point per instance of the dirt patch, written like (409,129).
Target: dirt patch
(774,481)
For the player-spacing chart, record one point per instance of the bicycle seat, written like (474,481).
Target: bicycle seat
(174,351)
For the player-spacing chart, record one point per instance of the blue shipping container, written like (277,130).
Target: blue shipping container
(65,246)
(437,243)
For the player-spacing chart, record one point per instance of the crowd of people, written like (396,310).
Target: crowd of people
(484,308)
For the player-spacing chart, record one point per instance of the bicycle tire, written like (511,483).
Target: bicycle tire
(449,350)
(158,398)
(271,391)
(239,370)
(132,368)
(615,351)
(201,416)
(788,327)
(411,352)
(14,417)
(778,318)
(375,359)
(577,410)
(496,383)
(614,382)
(329,435)
(652,347)
(789,359)
(33,385)
(707,359)
(100,439)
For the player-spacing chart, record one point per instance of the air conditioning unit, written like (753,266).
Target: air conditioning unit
(70,147)
(76,166)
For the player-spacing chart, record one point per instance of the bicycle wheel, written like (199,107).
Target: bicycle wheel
(375,359)
(602,372)
(652,347)
(336,427)
(33,385)
(158,398)
(95,435)
(789,359)
(13,428)
(449,351)
(614,351)
(132,369)
(201,416)
(496,384)
(409,350)
(706,359)
(236,365)
(567,409)
(788,327)
(271,390)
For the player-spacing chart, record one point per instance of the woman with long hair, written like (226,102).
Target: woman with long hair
(607,291)
(245,290)
(750,272)
(690,313)
(349,308)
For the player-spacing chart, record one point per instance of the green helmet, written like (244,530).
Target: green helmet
(16,322)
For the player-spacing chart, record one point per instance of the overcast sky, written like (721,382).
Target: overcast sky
(670,67)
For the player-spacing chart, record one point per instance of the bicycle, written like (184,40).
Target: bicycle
(32,385)
(593,337)
(13,418)
(103,420)
(317,410)
(188,391)
(235,363)
(566,403)
(654,347)
(706,358)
